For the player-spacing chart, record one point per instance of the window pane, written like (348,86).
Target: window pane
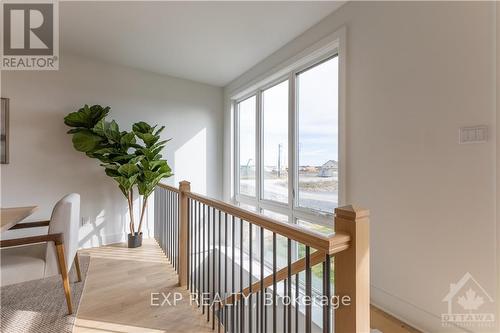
(248,207)
(323,229)
(275,145)
(317,105)
(247,112)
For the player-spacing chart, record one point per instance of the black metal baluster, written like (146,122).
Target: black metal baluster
(327,293)
(274,283)
(289,285)
(190,245)
(265,313)
(179,230)
(171,231)
(297,303)
(208,265)
(242,299)
(233,289)
(167,227)
(202,295)
(284,307)
(250,305)
(174,222)
(170,213)
(176,249)
(308,290)
(219,277)
(225,253)
(176,238)
(195,240)
(261,303)
(176,242)
(213,269)
(173,228)
(198,262)
(163,223)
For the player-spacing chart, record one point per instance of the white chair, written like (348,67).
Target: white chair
(37,257)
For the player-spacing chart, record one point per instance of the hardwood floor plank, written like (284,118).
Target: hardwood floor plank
(386,323)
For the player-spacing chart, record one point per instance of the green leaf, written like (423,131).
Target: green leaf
(76,130)
(141,127)
(113,132)
(112,173)
(123,158)
(159,130)
(104,151)
(86,117)
(128,139)
(101,127)
(126,182)
(128,170)
(148,138)
(86,141)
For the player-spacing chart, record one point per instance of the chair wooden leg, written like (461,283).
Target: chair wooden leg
(77,266)
(64,275)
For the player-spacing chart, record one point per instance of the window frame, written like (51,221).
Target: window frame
(324,50)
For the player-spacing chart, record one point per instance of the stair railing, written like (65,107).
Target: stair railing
(221,254)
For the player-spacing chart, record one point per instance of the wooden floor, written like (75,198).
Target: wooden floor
(117,295)
(387,323)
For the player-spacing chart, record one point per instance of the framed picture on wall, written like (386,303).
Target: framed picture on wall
(4,132)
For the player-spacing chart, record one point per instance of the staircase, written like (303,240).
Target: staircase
(250,273)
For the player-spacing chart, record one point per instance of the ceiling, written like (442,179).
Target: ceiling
(209,42)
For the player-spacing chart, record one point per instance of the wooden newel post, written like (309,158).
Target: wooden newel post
(352,271)
(184,187)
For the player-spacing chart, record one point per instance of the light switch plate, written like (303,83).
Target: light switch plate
(473,134)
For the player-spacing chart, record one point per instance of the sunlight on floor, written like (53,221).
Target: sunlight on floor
(118,289)
(149,252)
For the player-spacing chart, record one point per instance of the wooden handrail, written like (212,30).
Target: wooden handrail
(168,187)
(330,244)
(296,267)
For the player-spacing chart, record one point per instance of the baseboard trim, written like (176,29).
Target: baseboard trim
(409,313)
(96,241)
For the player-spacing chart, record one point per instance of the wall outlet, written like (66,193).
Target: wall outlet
(473,134)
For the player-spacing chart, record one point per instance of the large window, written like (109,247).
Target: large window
(317,109)
(287,145)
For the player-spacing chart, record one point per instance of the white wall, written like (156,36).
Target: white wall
(44,166)
(416,72)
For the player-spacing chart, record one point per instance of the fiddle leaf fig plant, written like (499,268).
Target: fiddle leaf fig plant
(131,158)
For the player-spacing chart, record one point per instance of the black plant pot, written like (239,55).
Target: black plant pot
(135,240)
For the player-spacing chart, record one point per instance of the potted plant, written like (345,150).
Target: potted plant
(130,162)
